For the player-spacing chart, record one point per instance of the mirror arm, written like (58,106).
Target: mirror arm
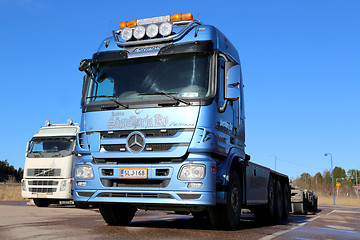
(223,107)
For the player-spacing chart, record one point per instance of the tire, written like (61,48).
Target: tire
(266,214)
(82,205)
(279,202)
(117,214)
(286,201)
(41,202)
(300,208)
(228,216)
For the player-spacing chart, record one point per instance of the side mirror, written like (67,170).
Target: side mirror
(27,148)
(232,81)
(84,65)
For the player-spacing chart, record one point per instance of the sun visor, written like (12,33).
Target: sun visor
(193,47)
(109,56)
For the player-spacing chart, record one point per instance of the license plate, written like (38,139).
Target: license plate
(41,195)
(134,173)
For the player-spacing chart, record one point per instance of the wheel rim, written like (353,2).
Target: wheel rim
(235,199)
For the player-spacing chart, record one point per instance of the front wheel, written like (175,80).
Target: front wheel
(117,214)
(41,202)
(228,216)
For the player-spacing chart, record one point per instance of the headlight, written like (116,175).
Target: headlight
(190,172)
(84,172)
(126,34)
(152,30)
(165,29)
(23,185)
(139,32)
(63,185)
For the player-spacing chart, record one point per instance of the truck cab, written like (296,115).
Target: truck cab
(50,160)
(163,124)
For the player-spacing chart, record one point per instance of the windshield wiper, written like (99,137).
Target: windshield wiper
(111,98)
(58,154)
(40,154)
(168,94)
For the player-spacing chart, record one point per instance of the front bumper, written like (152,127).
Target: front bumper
(47,188)
(161,189)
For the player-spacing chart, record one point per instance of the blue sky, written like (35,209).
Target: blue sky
(300,60)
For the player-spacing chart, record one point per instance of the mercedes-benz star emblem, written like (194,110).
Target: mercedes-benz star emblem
(135,142)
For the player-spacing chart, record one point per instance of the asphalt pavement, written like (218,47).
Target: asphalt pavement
(21,221)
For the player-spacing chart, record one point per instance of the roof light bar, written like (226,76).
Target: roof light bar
(155,20)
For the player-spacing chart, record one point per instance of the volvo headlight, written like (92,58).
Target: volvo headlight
(190,172)
(152,30)
(84,172)
(126,34)
(63,185)
(165,29)
(139,32)
(23,185)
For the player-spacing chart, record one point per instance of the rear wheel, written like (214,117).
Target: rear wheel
(228,216)
(300,208)
(266,214)
(279,202)
(117,214)
(41,202)
(287,203)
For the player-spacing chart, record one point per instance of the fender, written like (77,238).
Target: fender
(223,171)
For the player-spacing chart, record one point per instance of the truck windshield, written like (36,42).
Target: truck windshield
(150,78)
(51,147)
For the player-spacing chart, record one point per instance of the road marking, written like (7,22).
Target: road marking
(268,237)
(341,228)
(330,212)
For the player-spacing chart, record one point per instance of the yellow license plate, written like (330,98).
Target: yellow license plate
(41,195)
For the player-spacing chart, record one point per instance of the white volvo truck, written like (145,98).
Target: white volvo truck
(50,160)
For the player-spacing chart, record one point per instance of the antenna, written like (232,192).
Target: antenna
(107,40)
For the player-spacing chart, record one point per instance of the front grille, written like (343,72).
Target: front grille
(135,195)
(43,183)
(146,132)
(42,190)
(44,172)
(140,160)
(148,147)
(135,183)
(115,148)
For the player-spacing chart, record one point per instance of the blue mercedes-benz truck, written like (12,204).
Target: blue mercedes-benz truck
(163,127)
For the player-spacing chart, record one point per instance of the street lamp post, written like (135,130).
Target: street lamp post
(332,174)
(275,159)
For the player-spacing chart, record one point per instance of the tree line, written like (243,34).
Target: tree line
(9,174)
(322,183)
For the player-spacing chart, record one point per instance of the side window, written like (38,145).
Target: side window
(220,81)
(107,87)
(37,147)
